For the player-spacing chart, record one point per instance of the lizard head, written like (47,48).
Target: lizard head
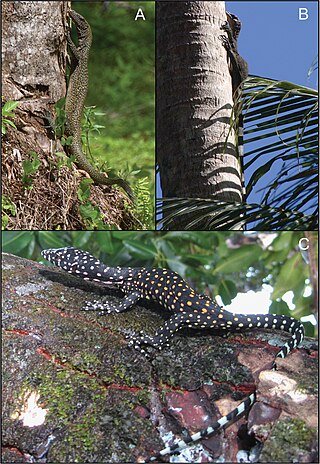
(234,23)
(83,29)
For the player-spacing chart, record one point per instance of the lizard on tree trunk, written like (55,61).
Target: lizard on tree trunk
(76,94)
(239,73)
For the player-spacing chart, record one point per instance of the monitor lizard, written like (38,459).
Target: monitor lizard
(239,72)
(76,94)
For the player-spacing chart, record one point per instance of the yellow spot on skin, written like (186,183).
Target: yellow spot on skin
(189,303)
(165,288)
(179,294)
(207,303)
(236,318)
(204,310)
(220,316)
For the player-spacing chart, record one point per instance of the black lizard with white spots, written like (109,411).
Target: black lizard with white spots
(174,294)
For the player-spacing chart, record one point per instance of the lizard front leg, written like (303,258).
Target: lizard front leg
(226,28)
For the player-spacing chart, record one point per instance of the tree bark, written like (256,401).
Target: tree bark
(194,103)
(96,400)
(34,53)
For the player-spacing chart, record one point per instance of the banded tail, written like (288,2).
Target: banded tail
(277,322)
(224,422)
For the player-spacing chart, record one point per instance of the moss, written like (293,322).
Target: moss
(307,381)
(289,438)
(212,358)
(143,397)
(60,392)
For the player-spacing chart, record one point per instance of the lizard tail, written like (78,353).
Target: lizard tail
(224,422)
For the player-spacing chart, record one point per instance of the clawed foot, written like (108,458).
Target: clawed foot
(103,308)
(225,26)
(137,342)
(225,41)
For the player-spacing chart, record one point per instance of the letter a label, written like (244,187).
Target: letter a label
(140,15)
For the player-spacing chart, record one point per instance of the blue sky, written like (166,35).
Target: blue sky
(276,44)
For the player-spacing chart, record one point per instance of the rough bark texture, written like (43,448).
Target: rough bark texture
(194,101)
(34,74)
(99,401)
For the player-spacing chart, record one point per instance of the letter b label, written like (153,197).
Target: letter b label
(303,14)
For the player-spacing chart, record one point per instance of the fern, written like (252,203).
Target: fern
(143,210)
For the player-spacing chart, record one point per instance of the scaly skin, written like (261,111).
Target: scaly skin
(76,94)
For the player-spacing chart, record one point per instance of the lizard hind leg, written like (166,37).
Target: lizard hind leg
(107,308)
(161,337)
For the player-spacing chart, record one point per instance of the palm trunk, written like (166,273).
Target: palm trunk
(194,103)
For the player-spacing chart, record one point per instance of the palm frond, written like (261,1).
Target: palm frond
(211,214)
(281,139)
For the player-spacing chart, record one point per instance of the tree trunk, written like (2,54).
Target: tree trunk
(39,185)
(96,400)
(34,64)
(194,103)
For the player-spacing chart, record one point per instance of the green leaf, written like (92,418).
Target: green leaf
(309,329)
(280,307)
(9,106)
(140,250)
(227,290)
(53,240)
(89,212)
(84,191)
(238,260)
(8,122)
(289,276)
(16,242)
